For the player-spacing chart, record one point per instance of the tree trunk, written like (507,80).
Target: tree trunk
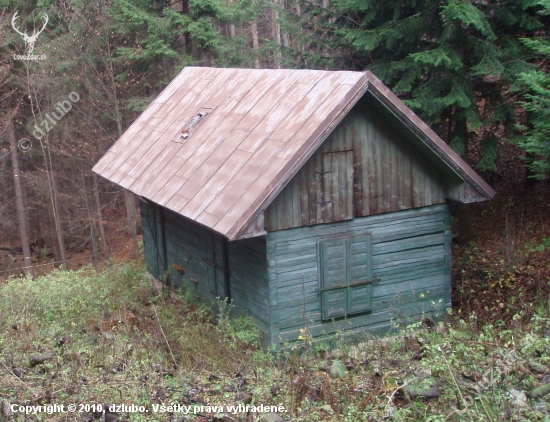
(255,42)
(45,221)
(300,44)
(53,197)
(232,30)
(93,228)
(99,218)
(277,35)
(458,128)
(131,216)
(187,36)
(129,196)
(21,212)
(285,41)
(325,4)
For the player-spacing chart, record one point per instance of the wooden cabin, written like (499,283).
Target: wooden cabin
(310,199)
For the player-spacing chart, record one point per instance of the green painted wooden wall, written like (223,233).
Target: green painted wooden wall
(193,255)
(365,167)
(275,278)
(411,255)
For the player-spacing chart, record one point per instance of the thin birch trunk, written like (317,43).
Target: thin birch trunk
(21,212)
(99,218)
(53,196)
(51,186)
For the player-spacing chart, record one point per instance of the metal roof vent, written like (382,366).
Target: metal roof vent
(186,132)
(193,122)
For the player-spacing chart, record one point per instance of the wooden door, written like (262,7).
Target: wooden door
(335,200)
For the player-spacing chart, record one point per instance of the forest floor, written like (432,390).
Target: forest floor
(110,337)
(504,268)
(120,245)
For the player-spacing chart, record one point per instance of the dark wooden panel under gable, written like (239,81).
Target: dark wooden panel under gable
(365,167)
(248,279)
(152,217)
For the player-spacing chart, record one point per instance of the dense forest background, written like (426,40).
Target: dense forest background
(475,70)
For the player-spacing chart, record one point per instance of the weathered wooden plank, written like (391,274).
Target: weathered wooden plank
(395,310)
(406,197)
(407,274)
(402,314)
(375,170)
(296,202)
(382,232)
(306,295)
(189,244)
(384,219)
(406,315)
(393,192)
(410,264)
(409,256)
(360,145)
(147,223)
(307,301)
(305,204)
(402,245)
(392,230)
(256,228)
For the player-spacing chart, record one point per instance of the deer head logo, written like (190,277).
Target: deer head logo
(30,40)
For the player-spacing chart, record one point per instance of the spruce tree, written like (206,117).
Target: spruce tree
(451,61)
(536,140)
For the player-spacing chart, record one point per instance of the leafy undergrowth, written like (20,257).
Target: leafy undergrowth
(111,338)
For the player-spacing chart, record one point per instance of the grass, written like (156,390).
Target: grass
(165,349)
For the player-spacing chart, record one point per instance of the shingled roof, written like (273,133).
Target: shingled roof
(218,145)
